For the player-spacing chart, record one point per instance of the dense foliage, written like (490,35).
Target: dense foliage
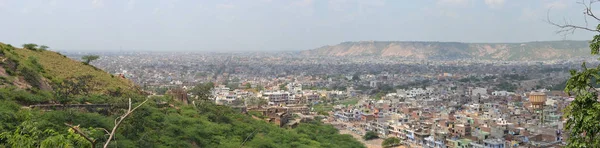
(370,135)
(205,125)
(583,113)
(390,142)
(89,58)
(161,122)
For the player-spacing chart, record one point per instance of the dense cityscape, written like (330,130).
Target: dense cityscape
(300,74)
(425,103)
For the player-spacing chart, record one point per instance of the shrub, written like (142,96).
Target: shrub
(324,113)
(370,135)
(30,46)
(43,48)
(30,76)
(390,142)
(23,96)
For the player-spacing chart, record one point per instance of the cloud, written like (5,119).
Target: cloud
(528,14)
(303,3)
(301,7)
(25,10)
(225,6)
(559,4)
(494,3)
(337,5)
(130,5)
(447,8)
(441,12)
(98,3)
(156,11)
(460,3)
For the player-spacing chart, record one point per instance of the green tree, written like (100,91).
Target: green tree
(70,87)
(283,86)
(356,77)
(583,114)
(89,58)
(203,91)
(370,135)
(260,88)
(29,135)
(390,142)
(248,85)
(30,46)
(44,47)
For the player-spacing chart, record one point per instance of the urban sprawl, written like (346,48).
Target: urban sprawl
(425,103)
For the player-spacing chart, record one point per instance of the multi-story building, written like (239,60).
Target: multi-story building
(277,98)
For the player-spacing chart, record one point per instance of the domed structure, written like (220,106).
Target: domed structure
(537,99)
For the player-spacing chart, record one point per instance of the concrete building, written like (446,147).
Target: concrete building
(277,98)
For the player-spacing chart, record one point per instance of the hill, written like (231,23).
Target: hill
(48,68)
(73,89)
(546,50)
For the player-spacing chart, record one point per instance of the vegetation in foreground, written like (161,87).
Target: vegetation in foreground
(583,114)
(44,77)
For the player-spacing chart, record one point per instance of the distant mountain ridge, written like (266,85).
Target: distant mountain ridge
(541,50)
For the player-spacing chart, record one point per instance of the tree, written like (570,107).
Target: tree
(203,91)
(80,85)
(89,58)
(28,134)
(30,46)
(390,142)
(120,119)
(43,47)
(583,114)
(356,77)
(256,102)
(283,87)
(370,135)
(260,88)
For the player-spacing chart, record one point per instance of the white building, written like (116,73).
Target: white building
(277,98)
(478,91)
(502,93)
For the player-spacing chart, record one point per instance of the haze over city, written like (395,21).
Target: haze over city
(300,73)
(271,25)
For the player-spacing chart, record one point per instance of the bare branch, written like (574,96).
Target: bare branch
(76,129)
(588,10)
(104,130)
(248,137)
(568,28)
(120,119)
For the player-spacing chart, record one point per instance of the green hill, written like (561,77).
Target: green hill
(29,77)
(52,67)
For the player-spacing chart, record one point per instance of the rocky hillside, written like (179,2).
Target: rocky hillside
(546,50)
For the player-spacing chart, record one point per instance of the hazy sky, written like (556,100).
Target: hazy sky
(267,25)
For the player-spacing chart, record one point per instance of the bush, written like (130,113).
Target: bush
(390,142)
(31,77)
(24,97)
(30,46)
(35,64)
(43,48)
(324,113)
(370,135)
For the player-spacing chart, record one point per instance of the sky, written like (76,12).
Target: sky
(277,25)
